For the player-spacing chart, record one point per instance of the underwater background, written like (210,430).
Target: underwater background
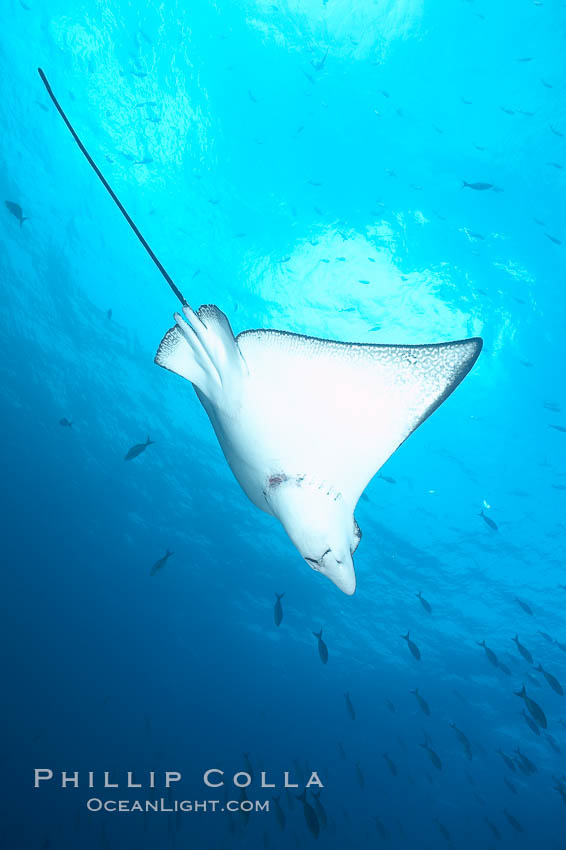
(301,165)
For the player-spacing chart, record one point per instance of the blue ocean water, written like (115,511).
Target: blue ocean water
(301,165)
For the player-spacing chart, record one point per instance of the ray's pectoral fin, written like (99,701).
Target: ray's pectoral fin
(348,406)
(203,350)
(405,385)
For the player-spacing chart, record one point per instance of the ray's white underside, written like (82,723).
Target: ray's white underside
(325,414)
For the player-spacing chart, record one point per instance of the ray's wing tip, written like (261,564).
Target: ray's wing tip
(471,349)
(466,353)
(477,341)
(476,344)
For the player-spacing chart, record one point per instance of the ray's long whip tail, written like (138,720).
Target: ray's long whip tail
(111,192)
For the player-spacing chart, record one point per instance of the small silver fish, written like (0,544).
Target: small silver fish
(415,651)
(381,828)
(390,764)
(464,741)
(248,765)
(279,813)
(525,606)
(510,785)
(489,521)
(426,605)
(533,708)
(278,609)
(320,810)
(479,187)
(523,650)
(513,821)
(552,742)
(137,449)
(319,65)
(16,211)
(493,828)
(433,756)
(508,761)
(349,707)
(423,704)
(492,657)
(310,814)
(444,832)
(322,648)
(530,723)
(160,563)
(552,680)
(386,478)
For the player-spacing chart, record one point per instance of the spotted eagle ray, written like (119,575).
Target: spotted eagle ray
(304,423)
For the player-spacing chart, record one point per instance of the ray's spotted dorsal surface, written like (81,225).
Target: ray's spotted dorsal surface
(302,451)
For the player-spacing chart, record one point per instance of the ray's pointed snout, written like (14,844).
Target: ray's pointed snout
(341,573)
(345,583)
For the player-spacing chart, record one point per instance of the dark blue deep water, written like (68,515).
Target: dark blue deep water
(301,165)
